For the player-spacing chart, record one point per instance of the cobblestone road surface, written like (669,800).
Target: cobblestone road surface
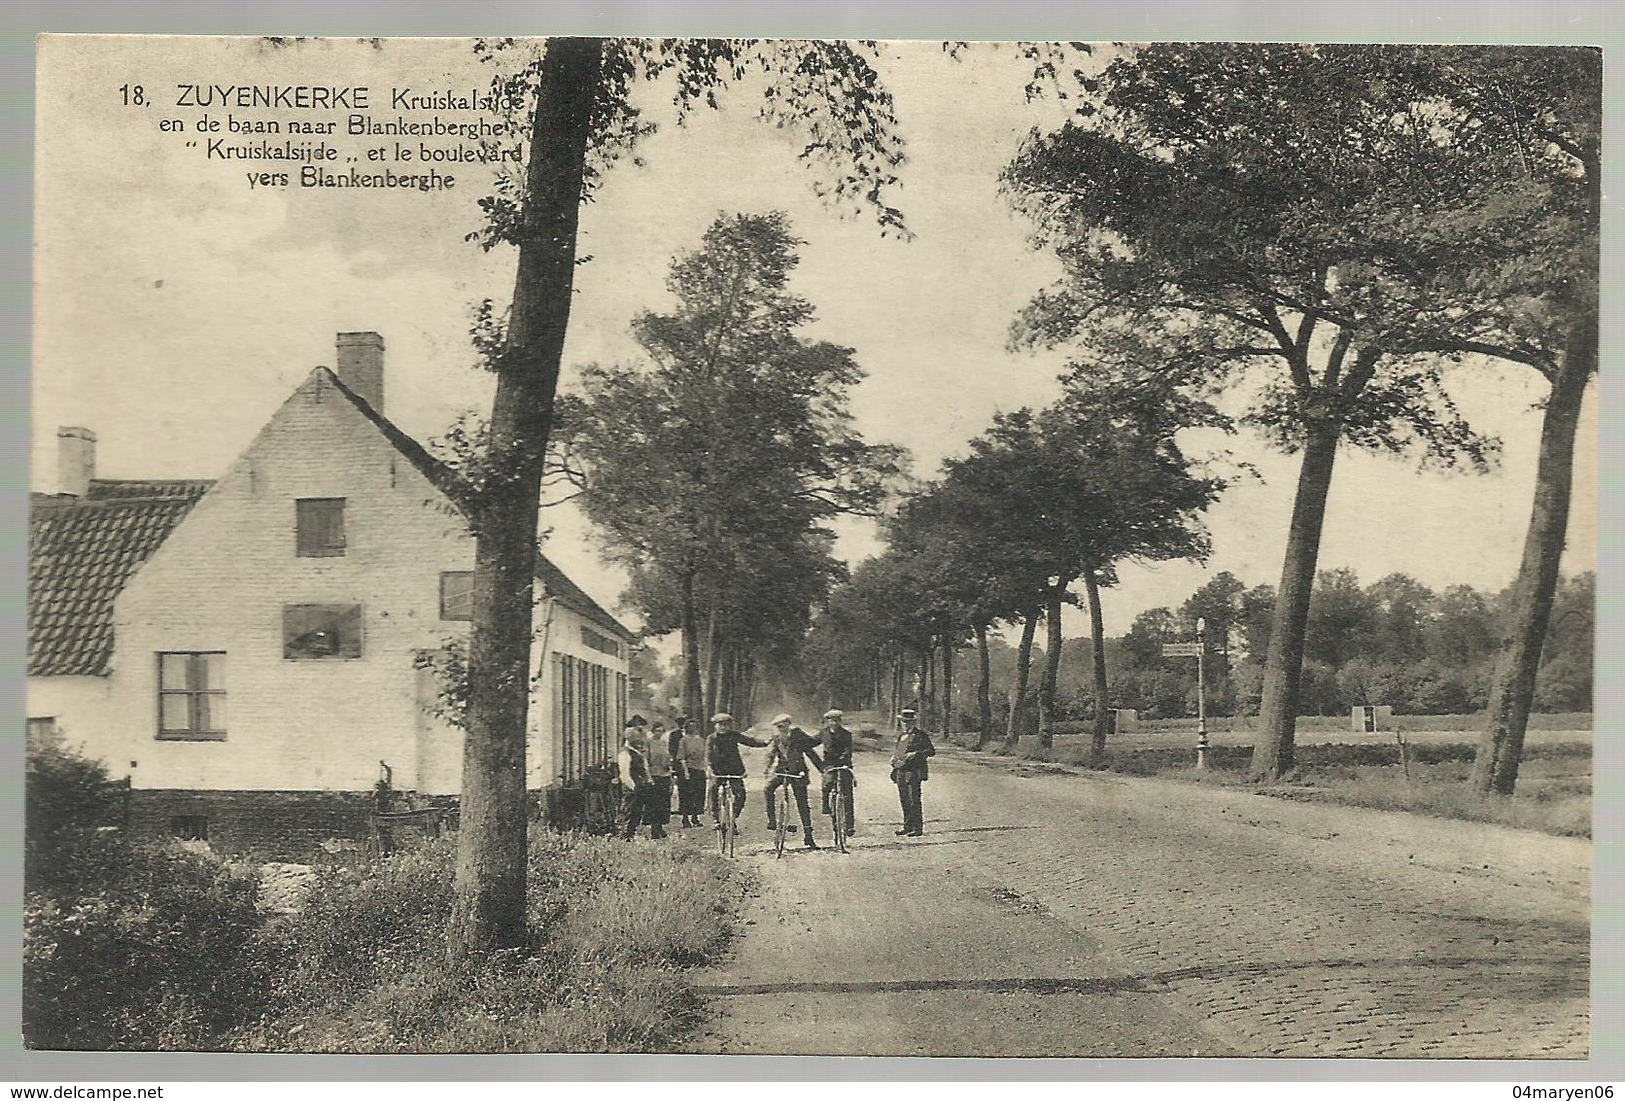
(1048,912)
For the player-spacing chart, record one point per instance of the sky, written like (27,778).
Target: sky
(176,307)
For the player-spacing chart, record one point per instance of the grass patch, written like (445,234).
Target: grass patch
(614,928)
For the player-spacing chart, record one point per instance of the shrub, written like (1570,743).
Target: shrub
(161,954)
(125,946)
(68,803)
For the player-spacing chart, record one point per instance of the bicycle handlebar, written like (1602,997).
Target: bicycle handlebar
(837,768)
(714,776)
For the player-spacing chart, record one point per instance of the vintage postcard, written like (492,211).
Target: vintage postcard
(812,547)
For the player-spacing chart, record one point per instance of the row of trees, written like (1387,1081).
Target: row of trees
(712,468)
(582,120)
(1043,501)
(1394,641)
(1321,230)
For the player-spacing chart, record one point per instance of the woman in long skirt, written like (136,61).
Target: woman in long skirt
(689,766)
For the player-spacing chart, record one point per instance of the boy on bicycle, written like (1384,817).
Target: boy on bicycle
(788,752)
(722,761)
(836,741)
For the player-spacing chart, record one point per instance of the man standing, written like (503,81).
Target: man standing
(836,742)
(723,762)
(633,765)
(909,770)
(788,752)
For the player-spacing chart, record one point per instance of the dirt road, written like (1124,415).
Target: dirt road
(1047,912)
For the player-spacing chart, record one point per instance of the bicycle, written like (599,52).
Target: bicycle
(784,811)
(726,827)
(837,804)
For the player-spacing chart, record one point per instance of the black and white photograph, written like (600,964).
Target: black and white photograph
(774,546)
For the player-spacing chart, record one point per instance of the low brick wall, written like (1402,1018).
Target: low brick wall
(298,826)
(261,825)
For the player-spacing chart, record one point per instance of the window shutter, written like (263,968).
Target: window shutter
(320,526)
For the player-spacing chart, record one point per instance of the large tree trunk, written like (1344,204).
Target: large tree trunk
(1052,668)
(1283,664)
(693,701)
(713,666)
(1097,639)
(895,689)
(984,698)
(746,692)
(1018,691)
(947,685)
(1512,692)
(929,718)
(488,901)
(729,679)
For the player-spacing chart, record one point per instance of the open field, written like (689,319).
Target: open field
(1427,775)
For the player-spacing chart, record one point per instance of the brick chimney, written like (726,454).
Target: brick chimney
(76,460)
(361,366)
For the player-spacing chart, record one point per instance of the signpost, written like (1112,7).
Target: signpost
(1195,650)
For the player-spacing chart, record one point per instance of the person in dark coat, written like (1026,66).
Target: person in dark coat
(909,770)
(788,752)
(723,763)
(836,742)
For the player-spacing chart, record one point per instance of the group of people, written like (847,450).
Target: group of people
(652,763)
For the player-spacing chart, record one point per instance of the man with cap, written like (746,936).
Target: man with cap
(723,762)
(836,742)
(788,752)
(909,770)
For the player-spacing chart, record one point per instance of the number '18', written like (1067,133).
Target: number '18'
(133,93)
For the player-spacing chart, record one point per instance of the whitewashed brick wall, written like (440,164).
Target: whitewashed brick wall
(86,714)
(219,582)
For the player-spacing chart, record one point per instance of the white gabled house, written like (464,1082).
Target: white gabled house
(246,650)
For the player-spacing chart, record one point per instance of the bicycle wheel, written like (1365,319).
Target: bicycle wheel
(730,829)
(784,819)
(725,807)
(837,807)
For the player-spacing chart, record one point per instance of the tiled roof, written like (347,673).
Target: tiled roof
(572,596)
(554,580)
(81,552)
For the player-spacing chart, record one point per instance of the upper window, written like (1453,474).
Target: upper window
(457,594)
(321,631)
(320,522)
(192,696)
(599,641)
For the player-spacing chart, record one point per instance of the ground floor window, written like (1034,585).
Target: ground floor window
(192,695)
